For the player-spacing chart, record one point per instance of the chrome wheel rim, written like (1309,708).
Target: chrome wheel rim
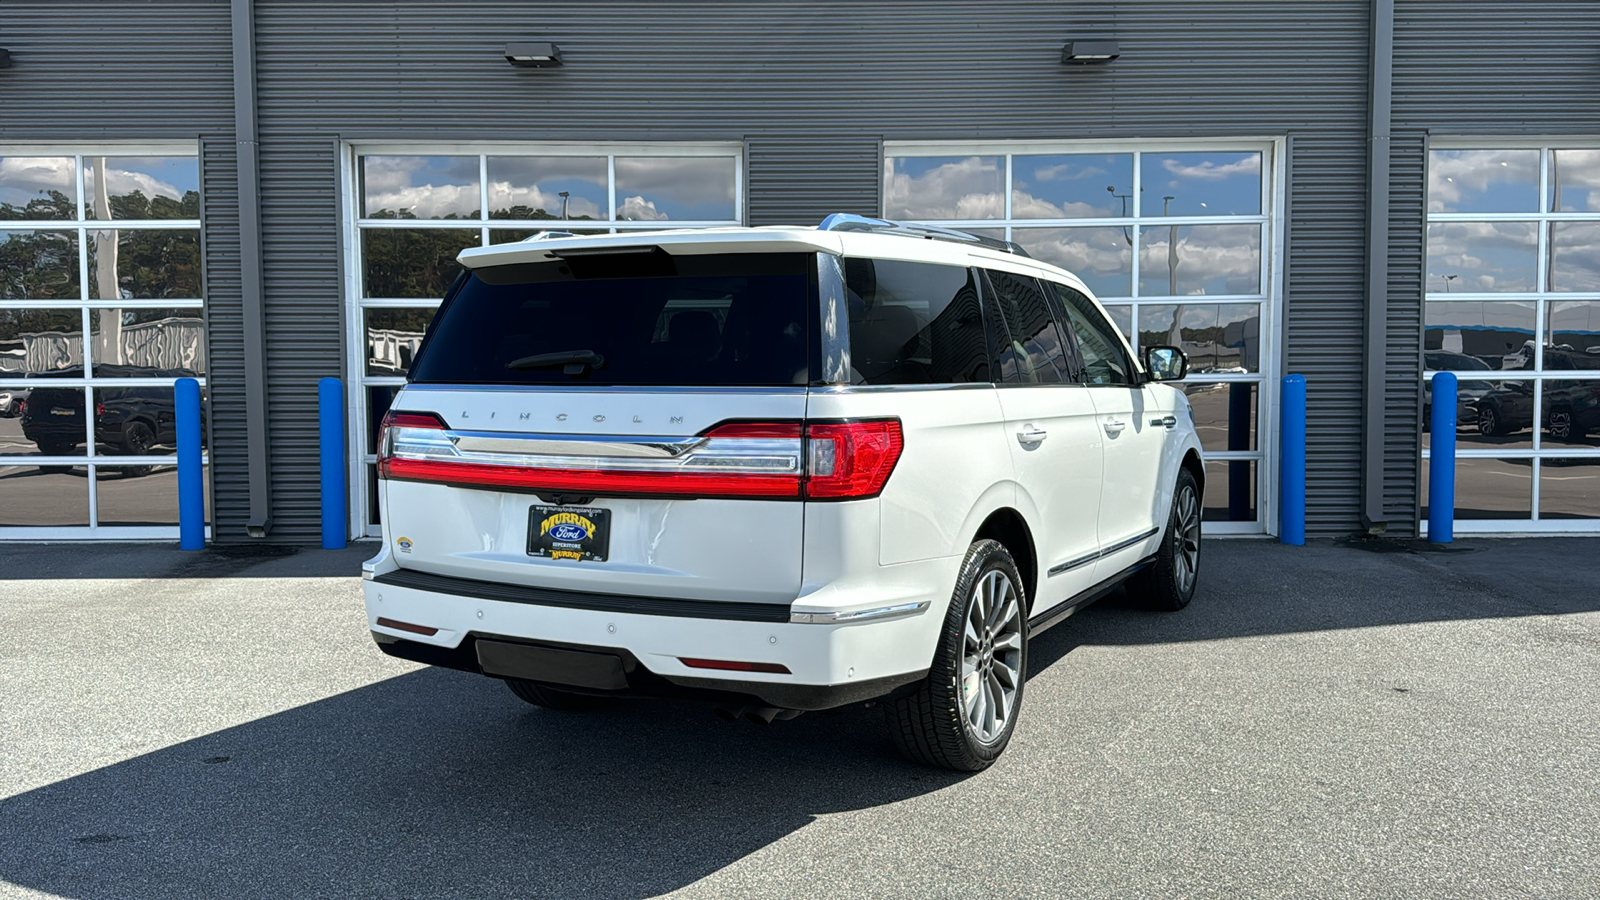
(1187,524)
(991,657)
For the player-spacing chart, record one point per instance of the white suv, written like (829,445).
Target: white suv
(782,469)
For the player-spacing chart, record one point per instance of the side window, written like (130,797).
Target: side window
(1038,352)
(1104,360)
(914,323)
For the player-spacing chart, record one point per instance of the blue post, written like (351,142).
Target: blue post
(1292,468)
(1442,461)
(330,417)
(191,480)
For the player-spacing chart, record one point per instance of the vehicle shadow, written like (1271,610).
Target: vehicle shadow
(437,783)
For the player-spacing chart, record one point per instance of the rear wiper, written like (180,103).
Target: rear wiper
(572,362)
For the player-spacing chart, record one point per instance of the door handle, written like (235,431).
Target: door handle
(1115,427)
(1165,421)
(1032,435)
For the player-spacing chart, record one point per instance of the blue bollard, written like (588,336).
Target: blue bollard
(330,419)
(1292,466)
(191,479)
(1442,461)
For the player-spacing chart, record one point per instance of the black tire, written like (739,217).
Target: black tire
(540,694)
(1489,423)
(933,726)
(137,439)
(1168,583)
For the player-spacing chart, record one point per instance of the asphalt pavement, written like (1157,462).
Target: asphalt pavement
(1374,720)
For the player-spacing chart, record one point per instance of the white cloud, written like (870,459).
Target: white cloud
(426,201)
(1207,254)
(967,188)
(1454,175)
(638,209)
(504,195)
(1210,171)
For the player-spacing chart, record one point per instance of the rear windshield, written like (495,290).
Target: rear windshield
(643,318)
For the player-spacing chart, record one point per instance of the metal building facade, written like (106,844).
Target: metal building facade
(811,91)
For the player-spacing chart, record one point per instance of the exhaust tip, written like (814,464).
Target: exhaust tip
(761,715)
(732,715)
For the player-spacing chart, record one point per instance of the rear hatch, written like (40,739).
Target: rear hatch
(621,422)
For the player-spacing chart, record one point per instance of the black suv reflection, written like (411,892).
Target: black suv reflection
(1571,408)
(129,421)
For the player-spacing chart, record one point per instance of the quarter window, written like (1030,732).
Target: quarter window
(914,323)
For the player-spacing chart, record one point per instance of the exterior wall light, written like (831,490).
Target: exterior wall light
(1083,53)
(533,55)
(5,59)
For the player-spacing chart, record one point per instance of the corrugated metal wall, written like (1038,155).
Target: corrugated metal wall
(811,87)
(219,185)
(1402,414)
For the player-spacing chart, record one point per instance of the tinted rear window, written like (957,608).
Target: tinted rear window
(737,319)
(914,323)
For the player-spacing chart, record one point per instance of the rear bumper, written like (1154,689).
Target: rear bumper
(829,663)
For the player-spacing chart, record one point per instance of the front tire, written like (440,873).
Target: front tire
(549,697)
(964,713)
(1168,583)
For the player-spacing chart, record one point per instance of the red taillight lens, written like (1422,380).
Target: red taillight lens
(99,409)
(729,665)
(851,460)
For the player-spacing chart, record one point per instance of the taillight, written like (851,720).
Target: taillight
(851,460)
(100,410)
(735,460)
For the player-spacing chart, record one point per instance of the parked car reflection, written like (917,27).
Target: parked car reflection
(135,420)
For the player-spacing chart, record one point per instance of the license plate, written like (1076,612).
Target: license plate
(569,532)
(58,411)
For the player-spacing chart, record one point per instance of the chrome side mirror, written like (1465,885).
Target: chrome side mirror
(1165,363)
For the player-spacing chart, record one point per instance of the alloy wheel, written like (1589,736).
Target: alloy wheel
(991,656)
(1187,558)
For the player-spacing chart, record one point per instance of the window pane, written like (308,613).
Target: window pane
(37,187)
(1038,350)
(52,422)
(1230,494)
(39,265)
(1574,327)
(1122,317)
(913,323)
(1483,181)
(393,336)
(1072,187)
(680,189)
(1102,257)
(141,495)
(1488,413)
(1482,257)
(1224,414)
(1104,361)
(1575,256)
(39,341)
(1569,488)
(512,235)
(1219,337)
(1571,413)
(547,187)
(1488,488)
(137,421)
(1208,259)
(147,343)
(944,187)
(146,187)
(419,187)
(1200,184)
(1575,181)
(374,509)
(44,495)
(144,265)
(1468,335)
(413,263)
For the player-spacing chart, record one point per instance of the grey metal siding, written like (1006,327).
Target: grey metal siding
(799,179)
(1402,414)
(219,191)
(810,86)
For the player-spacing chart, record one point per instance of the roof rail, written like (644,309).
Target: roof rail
(852,222)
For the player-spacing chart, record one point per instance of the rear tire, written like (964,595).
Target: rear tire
(540,694)
(1168,583)
(964,713)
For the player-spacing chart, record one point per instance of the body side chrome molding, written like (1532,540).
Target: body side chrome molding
(842,617)
(1101,554)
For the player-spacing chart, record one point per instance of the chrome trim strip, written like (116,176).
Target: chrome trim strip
(648,447)
(844,617)
(1101,554)
(698,454)
(603,389)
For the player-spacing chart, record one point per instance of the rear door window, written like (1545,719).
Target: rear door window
(1104,359)
(914,323)
(735,319)
(1038,351)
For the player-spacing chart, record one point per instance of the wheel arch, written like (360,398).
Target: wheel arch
(1191,462)
(1007,526)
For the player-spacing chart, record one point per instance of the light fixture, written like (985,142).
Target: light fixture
(1090,52)
(533,55)
(5,59)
